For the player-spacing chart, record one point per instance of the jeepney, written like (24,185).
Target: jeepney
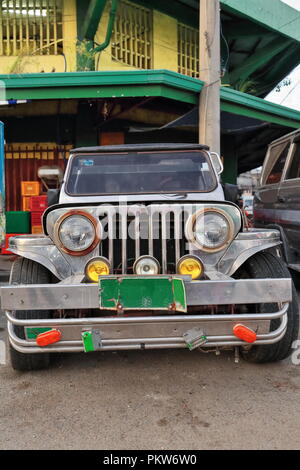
(143,251)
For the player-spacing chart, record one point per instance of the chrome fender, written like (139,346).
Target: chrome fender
(245,245)
(42,250)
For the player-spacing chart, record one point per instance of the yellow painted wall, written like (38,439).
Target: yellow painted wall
(32,64)
(164,42)
(164,54)
(70,34)
(49,63)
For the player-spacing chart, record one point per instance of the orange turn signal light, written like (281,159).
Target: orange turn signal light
(49,337)
(244,333)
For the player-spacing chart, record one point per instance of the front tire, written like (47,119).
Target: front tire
(25,271)
(267,265)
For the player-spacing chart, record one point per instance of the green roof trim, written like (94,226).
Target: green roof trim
(272,14)
(102,85)
(247,105)
(141,83)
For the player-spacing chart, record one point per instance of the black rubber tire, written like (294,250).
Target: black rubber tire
(268,265)
(25,271)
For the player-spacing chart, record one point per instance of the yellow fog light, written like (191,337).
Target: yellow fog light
(191,266)
(97,267)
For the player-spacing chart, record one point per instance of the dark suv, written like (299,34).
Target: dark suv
(277,202)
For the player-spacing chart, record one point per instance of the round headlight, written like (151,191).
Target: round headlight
(146,265)
(211,229)
(78,233)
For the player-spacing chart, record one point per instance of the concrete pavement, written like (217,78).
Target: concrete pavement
(150,400)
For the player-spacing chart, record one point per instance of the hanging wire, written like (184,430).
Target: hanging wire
(224,68)
(291,91)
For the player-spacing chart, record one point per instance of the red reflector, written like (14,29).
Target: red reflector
(244,333)
(49,337)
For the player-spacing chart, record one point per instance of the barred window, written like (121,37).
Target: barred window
(30,27)
(132,36)
(188,51)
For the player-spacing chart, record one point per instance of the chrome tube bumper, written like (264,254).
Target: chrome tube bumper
(148,332)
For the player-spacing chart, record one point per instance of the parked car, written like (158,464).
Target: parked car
(143,251)
(277,201)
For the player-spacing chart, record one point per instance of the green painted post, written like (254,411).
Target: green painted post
(84,56)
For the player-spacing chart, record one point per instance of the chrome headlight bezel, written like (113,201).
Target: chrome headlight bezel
(95,225)
(191,223)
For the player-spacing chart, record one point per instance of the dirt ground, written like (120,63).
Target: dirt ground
(150,400)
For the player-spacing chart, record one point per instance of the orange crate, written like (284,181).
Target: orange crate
(30,188)
(26,203)
(37,229)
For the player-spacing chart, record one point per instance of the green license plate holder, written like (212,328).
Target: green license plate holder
(121,293)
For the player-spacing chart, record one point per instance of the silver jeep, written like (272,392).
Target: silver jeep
(143,251)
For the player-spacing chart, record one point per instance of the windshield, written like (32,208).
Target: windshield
(144,172)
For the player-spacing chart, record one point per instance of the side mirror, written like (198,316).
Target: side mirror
(53,196)
(217,162)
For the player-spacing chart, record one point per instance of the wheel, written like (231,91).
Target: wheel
(25,271)
(268,265)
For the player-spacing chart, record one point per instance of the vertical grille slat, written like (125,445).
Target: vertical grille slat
(137,235)
(177,234)
(151,231)
(164,242)
(133,232)
(111,235)
(124,230)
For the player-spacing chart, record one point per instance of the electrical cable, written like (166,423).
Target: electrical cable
(224,68)
(291,91)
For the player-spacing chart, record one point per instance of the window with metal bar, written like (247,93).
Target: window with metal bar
(30,27)
(188,51)
(132,36)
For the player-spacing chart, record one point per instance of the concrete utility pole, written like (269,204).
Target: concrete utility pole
(210,74)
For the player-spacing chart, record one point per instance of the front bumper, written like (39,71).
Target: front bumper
(149,332)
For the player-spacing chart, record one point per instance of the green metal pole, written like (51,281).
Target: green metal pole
(111,22)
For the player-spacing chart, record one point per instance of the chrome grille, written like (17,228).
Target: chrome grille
(133,231)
